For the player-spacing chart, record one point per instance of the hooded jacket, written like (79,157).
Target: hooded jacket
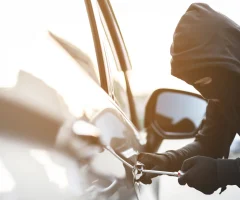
(206,40)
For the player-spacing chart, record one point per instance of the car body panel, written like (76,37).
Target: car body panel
(33,112)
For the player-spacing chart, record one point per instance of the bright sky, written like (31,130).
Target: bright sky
(147,27)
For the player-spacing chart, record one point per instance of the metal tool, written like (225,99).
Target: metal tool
(108,148)
(176,174)
(138,171)
(138,168)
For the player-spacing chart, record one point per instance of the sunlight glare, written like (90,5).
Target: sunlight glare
(56,173)
(7,182)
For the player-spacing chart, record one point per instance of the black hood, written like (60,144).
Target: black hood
(205,39)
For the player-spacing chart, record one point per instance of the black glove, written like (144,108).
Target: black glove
(200,173)
(228,172)
(153,161)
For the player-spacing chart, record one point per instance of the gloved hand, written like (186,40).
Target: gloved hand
(201,174)
(153,161)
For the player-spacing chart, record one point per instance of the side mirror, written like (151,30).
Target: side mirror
(174,114)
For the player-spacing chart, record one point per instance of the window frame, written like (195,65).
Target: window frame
(119,50)
(98,47)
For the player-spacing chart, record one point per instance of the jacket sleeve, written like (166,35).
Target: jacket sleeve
(228,172)
(213,139)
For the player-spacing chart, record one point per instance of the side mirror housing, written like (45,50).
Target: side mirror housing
(173,114)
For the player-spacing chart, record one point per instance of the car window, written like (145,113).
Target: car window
(117,80)
(115,77)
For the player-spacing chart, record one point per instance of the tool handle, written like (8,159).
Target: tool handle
(180,173)
(177,174)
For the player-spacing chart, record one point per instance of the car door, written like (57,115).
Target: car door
(41,114)
(53,88)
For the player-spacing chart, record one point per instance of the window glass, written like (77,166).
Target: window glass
(117,79)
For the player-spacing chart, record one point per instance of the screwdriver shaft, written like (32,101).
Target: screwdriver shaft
(176,174)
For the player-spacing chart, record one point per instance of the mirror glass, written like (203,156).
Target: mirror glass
(179,112)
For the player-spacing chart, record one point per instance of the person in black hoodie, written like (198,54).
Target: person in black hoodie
(206,54)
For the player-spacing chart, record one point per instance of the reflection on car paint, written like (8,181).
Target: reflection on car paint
(56,173)
(7,183)
(129,153)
